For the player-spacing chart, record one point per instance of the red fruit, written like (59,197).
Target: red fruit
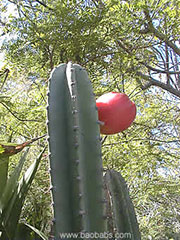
(116,111)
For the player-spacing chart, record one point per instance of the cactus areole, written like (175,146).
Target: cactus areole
(116,112)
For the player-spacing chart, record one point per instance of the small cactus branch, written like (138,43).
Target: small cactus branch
(124,215)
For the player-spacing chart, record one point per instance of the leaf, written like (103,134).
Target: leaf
(4,162)
(12,184)
(22,232)
(23,229)
(12,212)
(1,149)
(4,98)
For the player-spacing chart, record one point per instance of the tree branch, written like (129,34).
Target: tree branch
(20,119)
(16,148)
(44,5)
(145,64)
(157,83)
(142,139)
(6,72)
(161,36)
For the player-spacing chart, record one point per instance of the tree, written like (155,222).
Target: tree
(130,46)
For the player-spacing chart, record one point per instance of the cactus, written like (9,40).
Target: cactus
(76,164)
(124,218)
(75,152)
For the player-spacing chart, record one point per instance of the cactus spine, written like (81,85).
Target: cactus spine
(75,155)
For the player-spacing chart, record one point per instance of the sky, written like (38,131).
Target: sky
(10,10)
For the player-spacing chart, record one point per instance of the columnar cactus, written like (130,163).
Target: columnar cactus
(75,152)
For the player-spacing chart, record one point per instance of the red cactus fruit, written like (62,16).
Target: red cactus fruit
(116,112)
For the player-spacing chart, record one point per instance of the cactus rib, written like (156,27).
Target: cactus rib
(63,167)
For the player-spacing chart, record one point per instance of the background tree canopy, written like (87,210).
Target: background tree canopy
(126,46)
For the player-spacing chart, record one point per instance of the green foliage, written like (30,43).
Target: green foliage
(148,156)
(1,149)
(13,195)
(122,52)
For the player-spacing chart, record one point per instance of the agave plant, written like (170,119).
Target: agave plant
(13,191)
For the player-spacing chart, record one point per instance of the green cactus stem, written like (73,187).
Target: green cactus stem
(124,217)
(75,152)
